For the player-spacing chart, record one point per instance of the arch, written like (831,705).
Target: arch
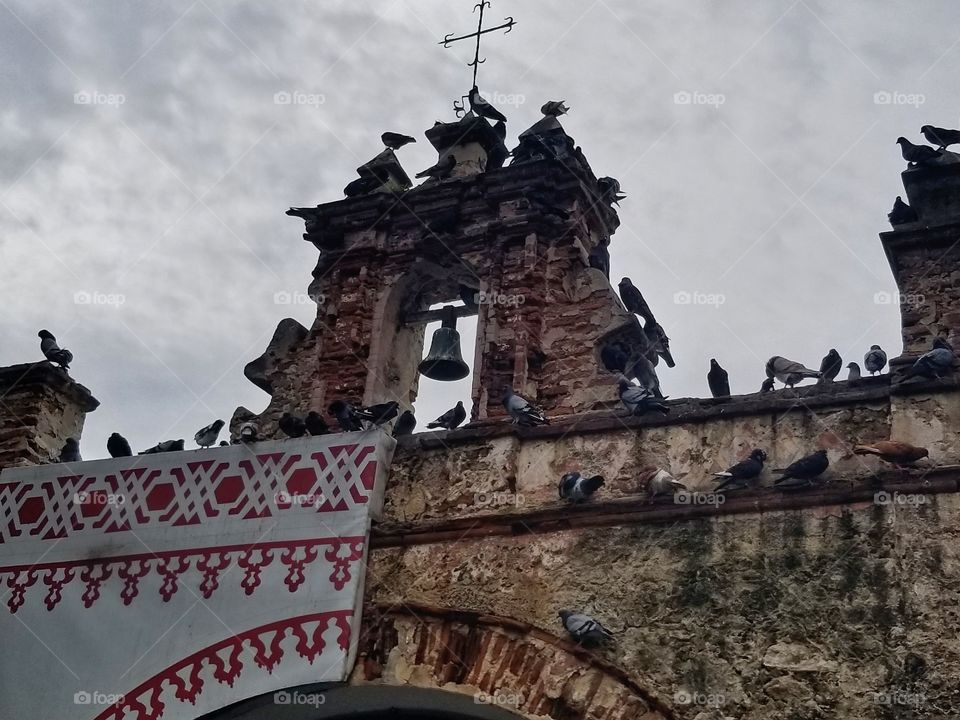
(467,652)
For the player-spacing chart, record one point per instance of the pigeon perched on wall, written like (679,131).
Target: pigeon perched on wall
(610,190)
(451,418)
(576,488)
(554,108)
(363,186)
(405,424)
(315,424)
(70,452)
(901,213)
(633,300)
(766,386)
(118,446)
(583,628)
(830,366)
(933,364)
(940,137)
(292,426)
(788,372)
(380,413)
(521,410)
(53,352)
(660,482)
(637,399)
(875,360)
(718,380)
(853,373)
(249,432)
(395,141)
(893,451)
(646,375)
(441,170)
(346,416)
(207,436)
(163,447)
(482,108)
(916,154)
(803,471)
(744,474)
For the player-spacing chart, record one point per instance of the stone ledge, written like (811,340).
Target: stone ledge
(640,510)
(16,377)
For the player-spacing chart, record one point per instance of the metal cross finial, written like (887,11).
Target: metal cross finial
(508,24)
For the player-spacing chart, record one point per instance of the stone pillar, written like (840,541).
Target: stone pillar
(924,256)
(40,407)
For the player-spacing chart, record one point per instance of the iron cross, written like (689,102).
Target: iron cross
(508,24)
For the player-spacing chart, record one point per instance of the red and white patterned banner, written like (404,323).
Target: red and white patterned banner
(169,585)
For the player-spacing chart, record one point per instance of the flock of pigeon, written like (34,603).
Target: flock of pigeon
(920,155)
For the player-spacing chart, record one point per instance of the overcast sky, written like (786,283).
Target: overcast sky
(147,164)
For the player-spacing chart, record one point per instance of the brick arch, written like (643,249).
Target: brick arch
(546,676)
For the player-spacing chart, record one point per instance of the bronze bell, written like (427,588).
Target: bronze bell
(444,361)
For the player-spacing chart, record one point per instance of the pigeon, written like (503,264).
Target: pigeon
(380,413)
(315,424)
(346,416)
(901,213)
(743,474)
(830,366)
(405,424)
(53,352)
(583,628)
(451,418)
(718,380)
(787,371)
(638,400)
(660,482)
(118,446)
(165,446)
(363,186)
(207,436)
(554,108)
(633,300)
(70,451)
(940,137)
(853,373)
(915,154)
(610,190)
(441,170)
(521,410)
(482,108)
(614,358)
(893,452)
(292,426)
(249,432)
(875,360)
(395,141)
(576,488)
(804,470)
(766,386)
(659,343)
(935,363)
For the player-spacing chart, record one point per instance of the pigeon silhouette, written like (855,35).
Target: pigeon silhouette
(743,474)
(451,418)
(576,488)
(292,426)
(916,154)
(940,137)
(804,470)
(53,352)
(395,141)
(718,380)
(875,360)
(901,213)
(405,424)
(830,366)
(346,416)
(207,436)
(118,446)
(482,108)
(315,424)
